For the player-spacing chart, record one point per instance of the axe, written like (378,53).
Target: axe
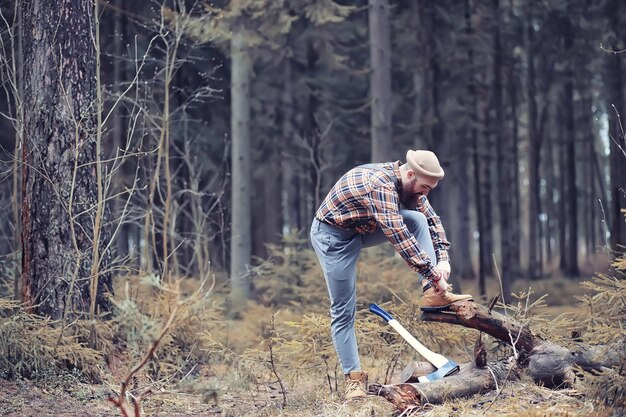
(445,367)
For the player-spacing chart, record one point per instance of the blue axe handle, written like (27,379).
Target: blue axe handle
(376,309)
(436,359)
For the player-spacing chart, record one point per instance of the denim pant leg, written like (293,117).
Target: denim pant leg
(417,224)
(338,251)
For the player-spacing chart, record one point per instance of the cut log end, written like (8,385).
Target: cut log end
(402,396)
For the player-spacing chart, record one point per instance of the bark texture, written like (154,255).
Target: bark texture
(380,56)
(240,244)
(59,151)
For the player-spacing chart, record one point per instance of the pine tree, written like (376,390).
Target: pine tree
(60,162)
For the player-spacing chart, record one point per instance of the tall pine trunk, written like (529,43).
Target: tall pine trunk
(560,146)
(380,82)
(571,193)
(240,241)
(503,160)
(118,129)
(588,188)
(534,244)
(515,189)
(288,165)
(476,151)
(615,96)
(59,153)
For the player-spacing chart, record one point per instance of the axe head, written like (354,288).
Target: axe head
(449,368)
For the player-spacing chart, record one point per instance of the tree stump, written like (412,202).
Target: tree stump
(547,363)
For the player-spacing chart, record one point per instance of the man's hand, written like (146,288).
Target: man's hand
(444,269)
(441,274)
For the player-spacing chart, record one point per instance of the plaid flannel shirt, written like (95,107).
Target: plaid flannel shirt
(364,199)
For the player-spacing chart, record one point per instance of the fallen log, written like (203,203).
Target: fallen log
(469,381)
(547,363)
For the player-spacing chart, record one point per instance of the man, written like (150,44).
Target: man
(367,206)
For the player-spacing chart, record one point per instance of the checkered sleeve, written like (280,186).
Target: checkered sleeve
(437,232)
(384,206)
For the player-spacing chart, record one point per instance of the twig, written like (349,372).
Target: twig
(270,344)
(506,378)
(493,303)
(513,342)
(612,51)
(120,400)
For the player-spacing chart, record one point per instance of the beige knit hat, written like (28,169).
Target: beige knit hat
(425,163)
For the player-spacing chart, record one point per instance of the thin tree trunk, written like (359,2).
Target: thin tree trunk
(271,206)
(570,156)
(420,75)
(18,62)
(474,140)
(309,200)
(547,200)
(438,136)
(616,110)
(118,129)
(240,243)
(589,183)
(288,155)
(380,83)
(61,193)
(562,200)
(504,165)
(515,190)
(534,244)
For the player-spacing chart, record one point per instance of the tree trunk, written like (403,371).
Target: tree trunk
(288,154)
(118,129)
(616,109)
(515,191)
(380,82)
(534,245)
(561,181)
(546,363)
(59,152)
(437,125)
(476,152)
(590,196)
(504,164)
(240,243)
(17,168)
(548,204)
(571,194)
(309,199)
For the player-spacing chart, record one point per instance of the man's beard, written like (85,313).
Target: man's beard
(410,201)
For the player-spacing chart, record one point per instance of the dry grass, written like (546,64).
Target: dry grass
(210,365)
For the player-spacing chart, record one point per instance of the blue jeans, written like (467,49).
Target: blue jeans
(338,251)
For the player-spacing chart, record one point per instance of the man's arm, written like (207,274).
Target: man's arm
(383,204)
(437,232)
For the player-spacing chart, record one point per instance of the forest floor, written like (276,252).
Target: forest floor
(24,398)
(68,396)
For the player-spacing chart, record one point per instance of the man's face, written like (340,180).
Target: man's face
(415,187)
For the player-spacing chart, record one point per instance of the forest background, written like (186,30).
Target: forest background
(162,161)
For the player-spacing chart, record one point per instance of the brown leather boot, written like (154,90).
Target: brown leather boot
(442,301)
(356,385)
